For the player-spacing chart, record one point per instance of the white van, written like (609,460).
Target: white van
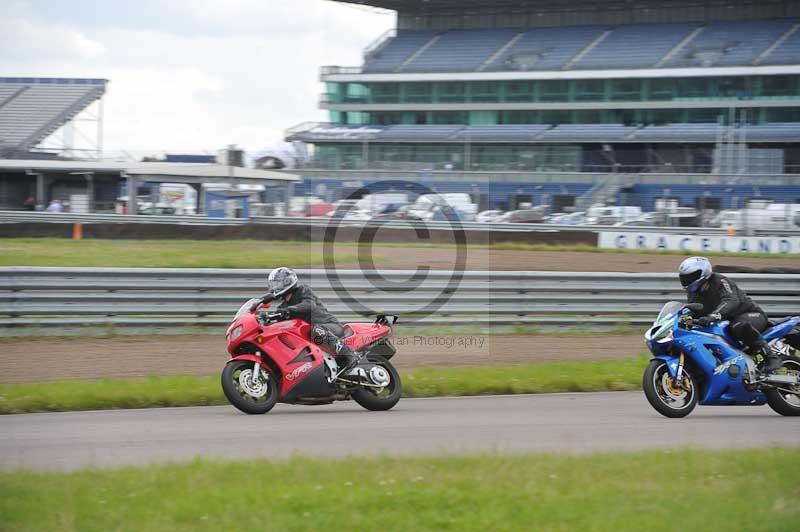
(612,215)
(426,205)
(775,216)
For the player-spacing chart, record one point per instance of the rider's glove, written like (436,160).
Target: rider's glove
(705,321)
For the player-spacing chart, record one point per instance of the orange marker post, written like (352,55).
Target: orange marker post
(77,231)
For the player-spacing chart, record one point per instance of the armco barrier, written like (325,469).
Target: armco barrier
(39,217)
(91,296)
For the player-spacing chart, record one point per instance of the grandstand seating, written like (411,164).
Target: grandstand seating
(459,51)
(786,52)
(33,108)
(500,133)
(397,50)
(730,196)
(545,48)
(731,43)
(635,46)
(588,133)
(641,195)
(626,46)
(784,131)
(679,133)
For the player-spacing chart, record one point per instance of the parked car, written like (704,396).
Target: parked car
(157,211)
(524,216)
(488,216)
(426,204)
(603,215)
(573,218)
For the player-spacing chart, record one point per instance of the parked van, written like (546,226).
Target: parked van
(426,205)
(603,215)
(774,216)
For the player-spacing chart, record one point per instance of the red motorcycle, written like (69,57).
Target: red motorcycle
(273,360)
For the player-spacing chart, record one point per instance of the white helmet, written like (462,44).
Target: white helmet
(693,272)
(280,281)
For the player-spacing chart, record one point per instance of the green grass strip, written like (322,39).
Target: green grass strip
(753,490)
(425,382)
(61,252)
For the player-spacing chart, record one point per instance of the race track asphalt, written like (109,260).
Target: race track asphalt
(578,422)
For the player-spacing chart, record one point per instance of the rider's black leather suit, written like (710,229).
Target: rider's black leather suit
(719,295)
(326,330)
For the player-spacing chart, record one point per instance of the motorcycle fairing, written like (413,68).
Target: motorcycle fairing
(365,334)
(714,356)
(313,384)
(782,329)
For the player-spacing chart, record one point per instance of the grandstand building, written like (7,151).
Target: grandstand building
(32,110)
(709,88)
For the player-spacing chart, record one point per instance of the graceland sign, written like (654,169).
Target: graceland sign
(782,245)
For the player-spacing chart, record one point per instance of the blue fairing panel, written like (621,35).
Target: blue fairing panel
(782,329)
(672,363)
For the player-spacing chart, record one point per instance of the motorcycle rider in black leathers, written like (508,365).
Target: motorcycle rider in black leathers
(299,301)
(723,300)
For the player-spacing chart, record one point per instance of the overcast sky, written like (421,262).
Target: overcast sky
(191,74)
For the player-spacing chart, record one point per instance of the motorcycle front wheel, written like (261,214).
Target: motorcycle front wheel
(786,401)
(248,395)
(380,398)
(668,399)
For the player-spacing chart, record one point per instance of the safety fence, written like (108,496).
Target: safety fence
(67,297)
(38,217)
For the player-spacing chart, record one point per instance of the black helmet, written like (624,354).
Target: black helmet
(280,281)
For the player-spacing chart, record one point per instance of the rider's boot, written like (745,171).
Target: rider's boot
(771,359)
(346,357)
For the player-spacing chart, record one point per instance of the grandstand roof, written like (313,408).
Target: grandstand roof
(31,109)
(752,43)
(464,6)
(153,171)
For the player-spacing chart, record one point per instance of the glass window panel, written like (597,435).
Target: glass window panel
(694,88)
(779,86)
(589,90)
(520,91)
(734,86)
(661,89)
(451,92)
(705,116)
(484,91)
(418,93)
(555,117)
(385,92)
(554,90)
(626,89)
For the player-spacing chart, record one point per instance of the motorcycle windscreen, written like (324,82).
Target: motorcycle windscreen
(669,308)
(245,307)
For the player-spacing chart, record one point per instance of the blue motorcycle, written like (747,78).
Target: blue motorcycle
(693,364)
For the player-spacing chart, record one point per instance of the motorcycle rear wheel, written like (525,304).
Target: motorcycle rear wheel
(388,396)
(666,399)
(785,403)
(239,397)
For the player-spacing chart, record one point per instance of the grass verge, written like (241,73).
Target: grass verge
(543,377)
(54,252)
(161,253)
(701,490)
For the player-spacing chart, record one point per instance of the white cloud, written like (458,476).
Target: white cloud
(237,71)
